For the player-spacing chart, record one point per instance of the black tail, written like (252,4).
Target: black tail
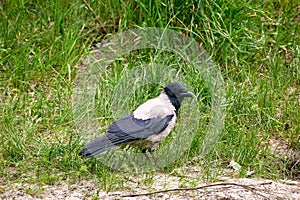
(96,147)
(104,143)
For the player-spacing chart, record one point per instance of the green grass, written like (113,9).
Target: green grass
(256,44)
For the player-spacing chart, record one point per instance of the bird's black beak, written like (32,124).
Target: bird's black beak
(188,94)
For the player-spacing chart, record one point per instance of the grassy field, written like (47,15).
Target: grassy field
(256,45)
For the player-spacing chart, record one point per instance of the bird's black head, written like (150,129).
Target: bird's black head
(176,93)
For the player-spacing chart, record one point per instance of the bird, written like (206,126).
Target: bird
(145,127)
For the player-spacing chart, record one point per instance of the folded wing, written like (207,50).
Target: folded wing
(125,130)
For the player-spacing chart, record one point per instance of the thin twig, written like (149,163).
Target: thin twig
(247,187)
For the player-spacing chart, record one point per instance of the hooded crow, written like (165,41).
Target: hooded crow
(149,124)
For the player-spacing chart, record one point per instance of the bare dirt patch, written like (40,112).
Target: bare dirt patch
(243,188)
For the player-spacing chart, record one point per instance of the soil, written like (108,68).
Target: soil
(243,188)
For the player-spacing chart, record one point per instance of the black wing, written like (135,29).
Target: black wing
(125,130)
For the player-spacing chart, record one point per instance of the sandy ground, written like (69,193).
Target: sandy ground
(228,189)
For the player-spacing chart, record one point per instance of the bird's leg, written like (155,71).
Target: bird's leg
(149,154)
